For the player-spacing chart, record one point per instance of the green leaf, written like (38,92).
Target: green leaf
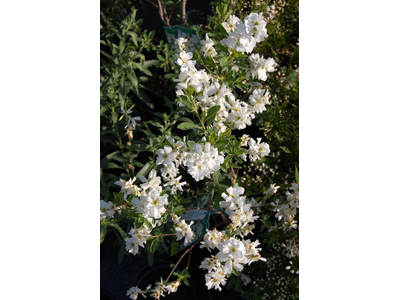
(218,176)
(145,99)
(179,210)
(296,174)
(121,46)
(238,159)
(225,61)
(132,77)
(187,126)
(148,224)
(141,68)
(174,247)
(223,168)
(120,230)
(111,165)
(241,86)
(133,215)
(144,171)
(121,252)
(134,38)
(138,222)
(186,281)
(211,113)
(222,28)
(285,149)
(153,246)
(234,165)
(118,197)
(139,147)
(149,63)
(150,258)
(242,65)
(234,271)
(223,49)
(160,57)
(185,100)
(103,232)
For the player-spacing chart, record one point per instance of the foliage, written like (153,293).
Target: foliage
(196,133)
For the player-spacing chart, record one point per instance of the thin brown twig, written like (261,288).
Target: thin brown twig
(191,247)
(152,3)
(183,12)
(190,255)
(183,255)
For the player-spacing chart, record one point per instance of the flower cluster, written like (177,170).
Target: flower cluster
(128,188)
(275,10)
(156,292)
(208,47)
(271,190)
(238,209)
(256,148)
(232,110)
(220,109)
(244,36)
(260,67)
(134,292)
(182,229)
(183,42)
(201,162)
(287,210)
(151,205)
(107,209)
(137,238)
(232,255)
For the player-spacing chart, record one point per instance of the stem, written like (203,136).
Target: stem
(234,175)
(183,12)
(224,221)
(162,13)
(186,252)
(190,255)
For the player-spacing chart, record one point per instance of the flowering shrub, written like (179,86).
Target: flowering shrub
(223,87)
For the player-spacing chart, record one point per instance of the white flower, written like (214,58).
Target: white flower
(212,239)
(271,190)
(207,47)
(165,155)
(132,122)
(183,230)
(128,188)
(215,278)
(266,65)
(255,24)
(244,140)
(126,112)
(258,100)
(176,185)
(246,279)
(153,181)
(107,209)
(210,263)
(134,292)
(155,203)
(173,287)
(257,149)
(232,253)
(137,238)
(230,24)
(184,59)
